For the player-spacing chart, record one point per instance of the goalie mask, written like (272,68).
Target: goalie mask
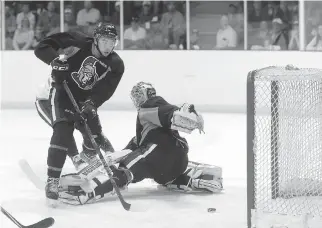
(141,92)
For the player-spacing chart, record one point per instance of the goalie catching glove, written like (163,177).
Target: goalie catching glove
(186,119)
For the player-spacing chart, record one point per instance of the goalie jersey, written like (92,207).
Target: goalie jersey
(89,77)
(154,124)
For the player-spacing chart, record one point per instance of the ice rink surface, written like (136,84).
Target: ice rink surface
(25,135)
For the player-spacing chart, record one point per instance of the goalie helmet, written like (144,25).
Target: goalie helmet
(141,92)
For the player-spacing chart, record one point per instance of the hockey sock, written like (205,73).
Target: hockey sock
(57,152)
(72,149)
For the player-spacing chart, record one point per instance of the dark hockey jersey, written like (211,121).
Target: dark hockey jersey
(89,77)
(154,124)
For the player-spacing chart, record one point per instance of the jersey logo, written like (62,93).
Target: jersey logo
(91,71)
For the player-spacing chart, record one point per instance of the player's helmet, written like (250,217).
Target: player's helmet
(141,92)
(106,30)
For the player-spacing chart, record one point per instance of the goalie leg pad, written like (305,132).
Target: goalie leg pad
(97,188)
(78,197)
(199,177)
(96,166)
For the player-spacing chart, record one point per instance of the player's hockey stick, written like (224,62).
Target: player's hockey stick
(88,131)
(47,222)
(31,175)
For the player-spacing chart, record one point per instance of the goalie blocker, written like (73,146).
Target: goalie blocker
(158,152)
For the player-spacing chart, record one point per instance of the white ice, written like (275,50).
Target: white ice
(25,135)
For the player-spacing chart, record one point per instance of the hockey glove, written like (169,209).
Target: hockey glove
(78,119)
(186,119)
(88,109)
(60,69)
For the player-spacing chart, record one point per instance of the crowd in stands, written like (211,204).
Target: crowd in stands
(313,26)
(162,25)
(28,22)
(273,25)
(217,25)
(155,25)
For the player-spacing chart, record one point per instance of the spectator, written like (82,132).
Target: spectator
(154,38)
(49,20)
(295,37)
(226,36)
(69,19)
(26,14)
(194,40)
(146,13)
(39,35)
(316,42)
(269,12)
(134,36)
(313,17)
(88,16)
(256,14)
(10,26)
(236,21)
(173,26)
(23,37)
(262,37)
(280,34)
(40,8)
(115,19)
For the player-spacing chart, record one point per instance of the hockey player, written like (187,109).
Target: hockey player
(44,109)
(158,152)
(93,71)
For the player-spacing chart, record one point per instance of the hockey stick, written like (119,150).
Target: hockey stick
(47,222)
(88,131)
(31,175)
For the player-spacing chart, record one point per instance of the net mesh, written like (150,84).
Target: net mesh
(288,141)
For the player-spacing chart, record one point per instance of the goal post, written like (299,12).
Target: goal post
(284,142)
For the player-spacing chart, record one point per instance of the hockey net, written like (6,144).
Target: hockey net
(284,121)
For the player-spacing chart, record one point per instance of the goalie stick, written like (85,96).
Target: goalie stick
(125,205)
(47,222)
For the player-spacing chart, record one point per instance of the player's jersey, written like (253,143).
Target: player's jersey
(44,90)
(89,76)
(154,124)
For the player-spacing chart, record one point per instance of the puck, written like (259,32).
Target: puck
(211,209)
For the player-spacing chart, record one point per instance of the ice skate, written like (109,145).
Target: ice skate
(51,190)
